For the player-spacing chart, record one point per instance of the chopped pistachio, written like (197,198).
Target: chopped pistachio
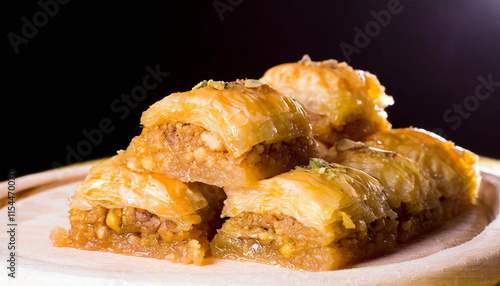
(333,172)
(381,154)
(200,85)
(317,163)
(216,84)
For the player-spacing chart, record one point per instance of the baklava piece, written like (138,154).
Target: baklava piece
(410,190)
(321,217)
(341,102)
(223,134)
(454,169)
(121,211)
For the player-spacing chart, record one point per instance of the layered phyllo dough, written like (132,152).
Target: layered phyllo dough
(411,191)
(341,102)
(453,168)
(142,214)
(320,217)
(223,134)
(245,153)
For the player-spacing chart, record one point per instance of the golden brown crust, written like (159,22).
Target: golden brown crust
(240,114)
(112,185)
(403,179)
(176,221)
(454,169)
(341,102)
(334,199)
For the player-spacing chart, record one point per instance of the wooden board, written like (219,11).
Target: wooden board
(464,251)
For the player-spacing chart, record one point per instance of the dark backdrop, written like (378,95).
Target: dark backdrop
(68,68)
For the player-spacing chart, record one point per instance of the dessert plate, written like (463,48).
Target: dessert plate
(463,251)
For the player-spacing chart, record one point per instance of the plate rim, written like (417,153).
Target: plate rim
(481,256)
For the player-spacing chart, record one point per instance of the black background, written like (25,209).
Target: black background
(64,80)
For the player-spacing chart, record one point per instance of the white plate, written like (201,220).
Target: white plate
(464,251)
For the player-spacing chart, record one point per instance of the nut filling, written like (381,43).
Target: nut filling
(282,240)
(190,153)
(136,232)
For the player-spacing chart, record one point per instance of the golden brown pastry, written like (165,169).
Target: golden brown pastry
(341,102)
(411,192)
(454,169)
(118,210)
(162,197)
(321,217)
(223,134)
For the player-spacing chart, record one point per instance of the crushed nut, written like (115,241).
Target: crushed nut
(148,163)
(216,84)
(212,141)
(287,249)
(200,85)
(100,232)
(253,83)
(113,219)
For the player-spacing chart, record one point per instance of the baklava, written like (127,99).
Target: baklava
(223,134)
(141,214)
(454,169)
(411,192)
(320,217)
(342,102)
(245,152)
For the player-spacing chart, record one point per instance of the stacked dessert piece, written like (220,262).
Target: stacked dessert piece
(365,200)
(315,179)
(340,101)
(143,214)
(161,197)
(223,134)
(318,217)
